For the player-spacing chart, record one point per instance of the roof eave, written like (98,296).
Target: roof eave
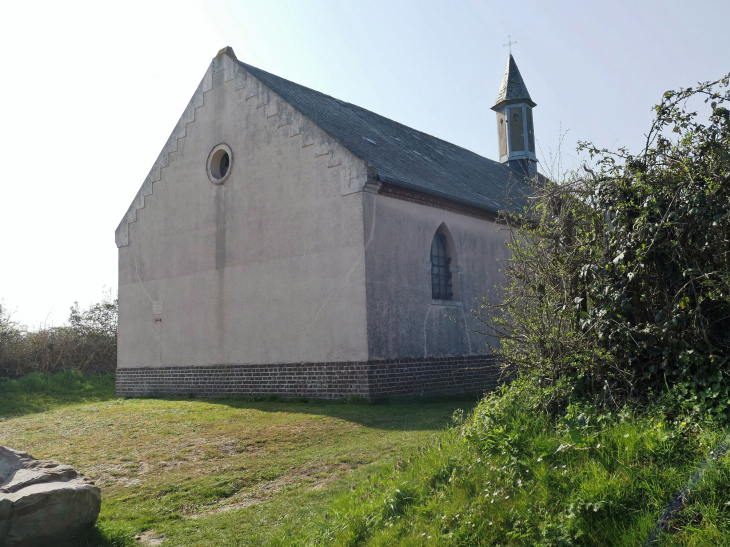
(502,104)
(396,182)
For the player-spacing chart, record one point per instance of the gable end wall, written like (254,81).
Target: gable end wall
(266,268)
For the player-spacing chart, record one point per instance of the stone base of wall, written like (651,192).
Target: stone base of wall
(401,378)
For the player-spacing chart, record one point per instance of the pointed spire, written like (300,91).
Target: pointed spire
(513,87)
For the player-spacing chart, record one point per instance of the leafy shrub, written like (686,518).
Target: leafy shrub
(88,343)
(660,299)
(620,277)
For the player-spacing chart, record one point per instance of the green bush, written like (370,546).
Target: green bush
(87,343)
(660,299)
(619,284)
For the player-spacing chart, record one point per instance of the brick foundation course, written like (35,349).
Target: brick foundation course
(401,378)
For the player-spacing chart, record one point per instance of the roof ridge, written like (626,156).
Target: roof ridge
(349,105)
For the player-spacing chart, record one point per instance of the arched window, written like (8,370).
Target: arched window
(441,288)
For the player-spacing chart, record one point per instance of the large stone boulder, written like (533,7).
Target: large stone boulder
(43,502)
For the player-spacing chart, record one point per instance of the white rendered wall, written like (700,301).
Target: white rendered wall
(267,268)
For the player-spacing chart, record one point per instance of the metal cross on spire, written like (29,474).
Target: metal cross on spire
(509,44)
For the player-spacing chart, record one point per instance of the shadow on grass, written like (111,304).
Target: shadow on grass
(106,535)
(39,392)
(392,415)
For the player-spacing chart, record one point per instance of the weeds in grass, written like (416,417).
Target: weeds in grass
(512,476)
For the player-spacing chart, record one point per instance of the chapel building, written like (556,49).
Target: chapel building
(286,242)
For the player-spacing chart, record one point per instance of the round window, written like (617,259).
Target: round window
(220,161)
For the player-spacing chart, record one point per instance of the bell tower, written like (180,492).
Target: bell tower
(515,129)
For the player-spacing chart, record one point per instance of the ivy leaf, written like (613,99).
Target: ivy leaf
(576,437)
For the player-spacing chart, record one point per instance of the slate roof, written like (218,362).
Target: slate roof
(513,87)
(404,156)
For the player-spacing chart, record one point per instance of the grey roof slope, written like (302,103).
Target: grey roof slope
(404,156)
(513,87)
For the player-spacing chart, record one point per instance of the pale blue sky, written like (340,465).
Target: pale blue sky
(92,89)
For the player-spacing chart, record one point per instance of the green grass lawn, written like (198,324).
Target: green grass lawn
(209,472)
(232,472)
